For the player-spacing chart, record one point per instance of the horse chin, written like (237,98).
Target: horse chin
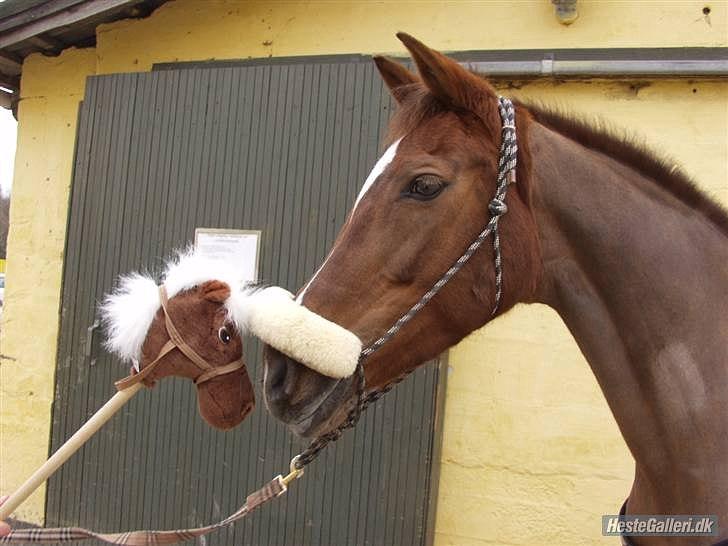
(329,414)
(320,413)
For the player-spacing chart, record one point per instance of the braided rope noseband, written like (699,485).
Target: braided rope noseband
(276,487)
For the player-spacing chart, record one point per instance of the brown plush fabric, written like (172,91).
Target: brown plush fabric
(199,314)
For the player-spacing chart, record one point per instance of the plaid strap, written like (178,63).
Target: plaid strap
(272,489)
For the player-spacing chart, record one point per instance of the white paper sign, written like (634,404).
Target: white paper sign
(235,246)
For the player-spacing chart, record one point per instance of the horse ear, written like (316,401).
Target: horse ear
(396,76)
(215,291)
(445,78)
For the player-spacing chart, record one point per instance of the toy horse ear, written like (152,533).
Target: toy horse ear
(446,79)
(396,76)
(215,291)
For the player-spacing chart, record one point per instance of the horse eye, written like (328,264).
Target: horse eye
(224,335)
(426,187)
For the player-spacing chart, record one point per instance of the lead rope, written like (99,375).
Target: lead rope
(279,485)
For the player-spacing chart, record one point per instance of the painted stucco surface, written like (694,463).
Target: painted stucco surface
(215,29)
(51,91)
(531,453)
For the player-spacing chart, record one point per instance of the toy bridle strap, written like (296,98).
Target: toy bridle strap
(177,342)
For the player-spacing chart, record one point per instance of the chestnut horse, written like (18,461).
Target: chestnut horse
(632,257)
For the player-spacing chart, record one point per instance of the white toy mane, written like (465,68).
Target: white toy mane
(129,311)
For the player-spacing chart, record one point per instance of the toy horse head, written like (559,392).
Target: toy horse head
(189,326)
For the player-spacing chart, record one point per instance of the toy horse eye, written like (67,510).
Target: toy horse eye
(224,335)
(425,187)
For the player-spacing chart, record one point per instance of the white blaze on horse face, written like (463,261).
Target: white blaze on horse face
(378,169)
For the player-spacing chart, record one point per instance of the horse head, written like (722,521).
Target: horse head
(186,327)
(424,202)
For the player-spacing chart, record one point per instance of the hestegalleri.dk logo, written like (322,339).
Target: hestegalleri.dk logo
(660,525)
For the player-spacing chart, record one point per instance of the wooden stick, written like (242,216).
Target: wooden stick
(64,452)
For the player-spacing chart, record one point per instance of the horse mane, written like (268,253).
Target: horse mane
(420,104)
(601,136)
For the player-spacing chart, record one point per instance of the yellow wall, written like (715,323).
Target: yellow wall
(528,438)
(51,90)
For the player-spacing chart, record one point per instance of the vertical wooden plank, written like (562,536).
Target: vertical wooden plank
(78,202)
(100,374)
(80,385)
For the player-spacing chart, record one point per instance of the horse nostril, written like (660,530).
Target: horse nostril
(277,368)
(291,376)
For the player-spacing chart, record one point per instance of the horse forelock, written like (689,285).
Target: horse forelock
(420,104)
(128,312)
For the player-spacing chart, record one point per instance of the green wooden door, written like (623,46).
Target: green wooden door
(277,147)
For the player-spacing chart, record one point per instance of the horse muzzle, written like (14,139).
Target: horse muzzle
(306,401)
(309,360)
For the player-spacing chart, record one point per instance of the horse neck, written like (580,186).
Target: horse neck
(640,280)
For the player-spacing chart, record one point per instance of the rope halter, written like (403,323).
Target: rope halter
(497,208)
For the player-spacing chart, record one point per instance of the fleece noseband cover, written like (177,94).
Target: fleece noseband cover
(275,317)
